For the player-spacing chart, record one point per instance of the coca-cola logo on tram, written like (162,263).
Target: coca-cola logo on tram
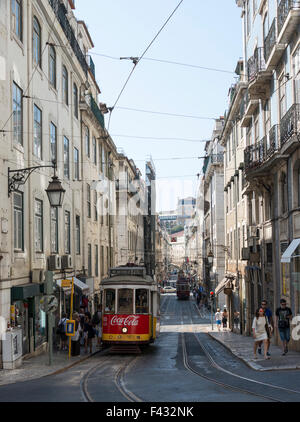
(130,320)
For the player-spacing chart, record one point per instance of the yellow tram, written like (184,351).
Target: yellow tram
(130,307)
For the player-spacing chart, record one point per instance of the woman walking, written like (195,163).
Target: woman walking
(224,319)
(261,328)
(75,340)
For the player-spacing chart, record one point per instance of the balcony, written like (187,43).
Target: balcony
(91,65)
(211,161)
(96,111)
(61,15)
(256,156)
(258,75)
(289,124)
(272,50)
(247,110)
(288,13)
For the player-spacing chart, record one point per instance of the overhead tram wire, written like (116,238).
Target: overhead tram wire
(166,114)
(212,69)
(140,58)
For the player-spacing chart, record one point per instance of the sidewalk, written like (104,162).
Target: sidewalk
(38,366)
(242,347)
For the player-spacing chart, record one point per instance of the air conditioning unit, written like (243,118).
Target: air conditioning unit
(37,276)
(54,262)
(66,262)
(245,254)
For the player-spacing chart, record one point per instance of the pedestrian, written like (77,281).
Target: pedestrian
(268,314)
(198,298)
(97,323)
(218,317)
(224,318)
(260,326)
(89,334)
(61,330)
(236,319)
(283,317)
(75,340)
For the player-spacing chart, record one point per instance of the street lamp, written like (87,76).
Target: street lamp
(19,177)
(210,257)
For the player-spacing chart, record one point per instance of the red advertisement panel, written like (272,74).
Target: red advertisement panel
(136,324)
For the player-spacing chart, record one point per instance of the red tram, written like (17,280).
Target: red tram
(130,303)
(183,287)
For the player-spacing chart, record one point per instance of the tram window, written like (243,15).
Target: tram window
(141,301)
(125,301)
(110,298)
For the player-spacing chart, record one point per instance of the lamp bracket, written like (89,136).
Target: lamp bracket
(21,176)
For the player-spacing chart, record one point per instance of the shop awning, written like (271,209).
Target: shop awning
(286,257)
(24,291)
(82,286)
(221,286)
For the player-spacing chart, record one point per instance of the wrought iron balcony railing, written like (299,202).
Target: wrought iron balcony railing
(212,159)
(270,40)
(289,124)
(283,10)
(61,14)
(91,65)
(96,110)
(272,142)
(256,63)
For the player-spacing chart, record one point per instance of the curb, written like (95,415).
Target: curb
(61,370)
(253,366)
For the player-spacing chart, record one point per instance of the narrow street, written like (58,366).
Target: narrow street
(184,365)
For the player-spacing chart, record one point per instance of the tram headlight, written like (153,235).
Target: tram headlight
(124,330)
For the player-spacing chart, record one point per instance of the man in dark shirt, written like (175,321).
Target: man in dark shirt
(283,317)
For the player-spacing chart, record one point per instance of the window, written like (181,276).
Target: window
(269,253)
(52,66)
(37,144)
(17,18)
(248,17)
(102,261)
(89,259)
(266,26)
(36,49)
(103,161)
(38,225)
(125,301)
(110,301)
(88,188)
(282,96)
(53,142)
(96,261)
(141,301)
(100,157)
(94,151)
(283,188)
(296,71)
(18,221)
(95,206)
(65,85)
(267,121)
(87,141)
(77,235)
(75,97)
(67,232)
(54,230)
(17,114)
(66,158)
(76,164)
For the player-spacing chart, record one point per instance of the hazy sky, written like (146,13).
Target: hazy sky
(203,33)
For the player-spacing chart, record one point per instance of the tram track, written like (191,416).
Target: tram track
(118,379)
(220,369)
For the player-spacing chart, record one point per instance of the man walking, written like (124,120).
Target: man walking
(283,317)
(269,316)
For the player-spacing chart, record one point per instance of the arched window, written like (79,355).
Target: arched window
(75,95)
(36,49)
(52,66)
(65,85)
(87,141)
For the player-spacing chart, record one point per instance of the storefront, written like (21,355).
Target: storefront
(27,315)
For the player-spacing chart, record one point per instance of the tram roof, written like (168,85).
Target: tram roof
(128,279)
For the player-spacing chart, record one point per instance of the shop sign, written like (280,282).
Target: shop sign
(66,283)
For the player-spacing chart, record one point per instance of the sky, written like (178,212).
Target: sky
(202,33)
